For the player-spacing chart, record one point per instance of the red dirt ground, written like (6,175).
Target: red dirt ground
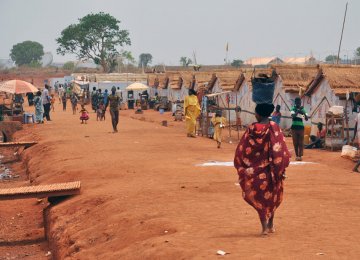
(143,197)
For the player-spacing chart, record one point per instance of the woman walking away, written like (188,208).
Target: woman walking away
(297,128)
(219,123)
(191,111)
(261,159)
(39,109)
(84,115)
(64,100)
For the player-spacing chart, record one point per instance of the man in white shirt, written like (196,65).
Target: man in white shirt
(46,102)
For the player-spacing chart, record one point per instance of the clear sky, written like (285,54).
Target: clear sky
(169,29)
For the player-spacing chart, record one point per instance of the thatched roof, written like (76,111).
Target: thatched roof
(187,78)
(151,79)
(340,78)
(295,77)
(228,80)
(175,80)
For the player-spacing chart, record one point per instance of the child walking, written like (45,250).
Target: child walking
(52,102)
(100,112)
(84,115)
(219,123)
(64,100)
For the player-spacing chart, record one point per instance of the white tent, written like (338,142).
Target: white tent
(137,86)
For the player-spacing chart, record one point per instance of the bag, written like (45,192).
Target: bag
(263,90)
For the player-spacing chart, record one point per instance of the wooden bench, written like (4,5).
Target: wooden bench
(41,191)
(12,144)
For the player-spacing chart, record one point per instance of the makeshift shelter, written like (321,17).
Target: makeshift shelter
(162,88)
(153,83)
(174,86)
(329,88)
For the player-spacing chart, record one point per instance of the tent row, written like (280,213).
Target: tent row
(319,86)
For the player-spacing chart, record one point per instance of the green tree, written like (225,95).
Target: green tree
(70,65)
(331,59)
(26,53)
(145,59)
(95,37)
(237,63)
(185,62)
(357,52)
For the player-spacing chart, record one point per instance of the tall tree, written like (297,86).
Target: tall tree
(27,53)
(185,62)
(237,63)
(145,59)
(95,37)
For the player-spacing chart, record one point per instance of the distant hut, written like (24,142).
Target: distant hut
(329,89)
(162,88)
(152,82)
(174,86)
(306,60)
(263,61)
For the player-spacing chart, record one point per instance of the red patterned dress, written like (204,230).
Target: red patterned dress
(261,159)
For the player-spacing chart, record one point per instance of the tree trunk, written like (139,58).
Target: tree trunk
(104,66)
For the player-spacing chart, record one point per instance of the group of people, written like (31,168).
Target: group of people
(100,101)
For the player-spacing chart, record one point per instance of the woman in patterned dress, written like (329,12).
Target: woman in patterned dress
(261,159)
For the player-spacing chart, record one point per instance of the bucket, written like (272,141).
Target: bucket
(263,90)
(161,110)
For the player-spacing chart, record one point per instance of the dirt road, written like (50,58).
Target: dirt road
(144,197)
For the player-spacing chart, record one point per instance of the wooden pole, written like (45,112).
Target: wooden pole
(342,32)
(228,101)
(237,123)
(347,119)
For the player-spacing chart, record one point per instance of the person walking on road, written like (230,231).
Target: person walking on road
(191,111)
(298,113)
(39,109)
(113,100)
(46,99)
(261,159)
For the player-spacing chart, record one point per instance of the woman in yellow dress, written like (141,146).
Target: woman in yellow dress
(219,123)
(192,111)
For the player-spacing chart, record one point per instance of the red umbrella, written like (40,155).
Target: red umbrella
(17,87)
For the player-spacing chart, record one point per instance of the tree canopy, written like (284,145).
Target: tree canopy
(185,62)
(237,63)
(331,59)
(95,37)
(145,59)
(27,53)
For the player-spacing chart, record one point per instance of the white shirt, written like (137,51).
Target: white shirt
(45,97)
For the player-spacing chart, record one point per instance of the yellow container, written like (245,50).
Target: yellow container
(306,139)
(307,130)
